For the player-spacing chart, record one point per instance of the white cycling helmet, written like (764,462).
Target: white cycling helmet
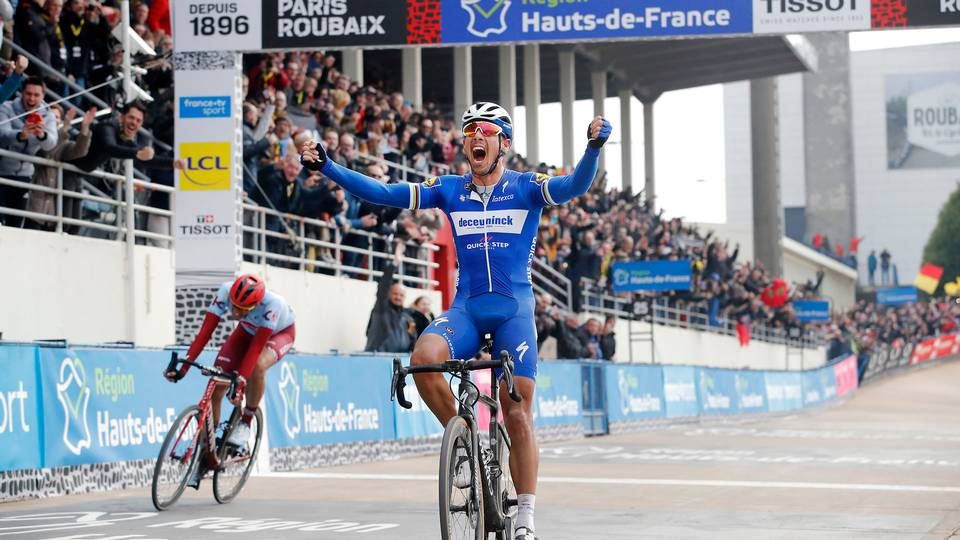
(490,112)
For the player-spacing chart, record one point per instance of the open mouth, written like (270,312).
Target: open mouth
(479,153)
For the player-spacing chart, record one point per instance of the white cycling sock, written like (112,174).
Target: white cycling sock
(525,504)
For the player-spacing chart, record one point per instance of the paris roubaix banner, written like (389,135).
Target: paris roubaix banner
(250,25)
(914,13)
(207,216)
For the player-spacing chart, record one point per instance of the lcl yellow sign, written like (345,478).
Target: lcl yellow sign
(206,166)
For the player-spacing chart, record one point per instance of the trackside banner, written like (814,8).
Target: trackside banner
(315,400)
(20,409)
(78,406)
(651,275)
(634,392)
(559,394)
(102,405)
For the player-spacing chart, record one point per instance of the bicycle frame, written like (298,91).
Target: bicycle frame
(205,405)
(492,477)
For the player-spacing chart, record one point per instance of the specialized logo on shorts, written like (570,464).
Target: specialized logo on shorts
(207,166)
(494,221)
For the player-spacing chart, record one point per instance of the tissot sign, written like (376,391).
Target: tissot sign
(248,25)
(782,16)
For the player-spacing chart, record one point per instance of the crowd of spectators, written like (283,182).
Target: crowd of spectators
(866,327)
(72,43)
(292,96)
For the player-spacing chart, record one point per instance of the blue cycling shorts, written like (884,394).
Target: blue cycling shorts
(511,323)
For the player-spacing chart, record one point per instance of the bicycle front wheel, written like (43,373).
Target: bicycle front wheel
(236,461)
(461,497)
(177,457)
(506,499)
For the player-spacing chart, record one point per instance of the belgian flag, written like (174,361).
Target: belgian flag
(929,278)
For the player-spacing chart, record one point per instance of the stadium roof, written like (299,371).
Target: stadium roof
(649,68)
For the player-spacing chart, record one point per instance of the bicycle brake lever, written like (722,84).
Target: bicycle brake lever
(399,382)
(508,376)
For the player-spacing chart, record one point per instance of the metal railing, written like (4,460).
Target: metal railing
(548,280)
(104,106)
(262,245)
(111,220)
(694,316)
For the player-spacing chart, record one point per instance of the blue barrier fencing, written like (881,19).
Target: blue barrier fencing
(315,400)
(74,406)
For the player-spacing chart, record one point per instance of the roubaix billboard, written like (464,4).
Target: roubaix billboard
(923,120)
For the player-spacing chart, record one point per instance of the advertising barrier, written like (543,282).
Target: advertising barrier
(63,406)
(323,400)
(20,417)
(751,391)
(103,405)
(936,348)
(634,392)
(784,390)
(559,394)
(845,375)
(680,391)
(718,391)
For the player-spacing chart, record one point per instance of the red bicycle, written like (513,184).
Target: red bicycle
(192,448)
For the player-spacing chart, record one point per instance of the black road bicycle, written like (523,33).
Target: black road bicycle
(477,496)
(191,447)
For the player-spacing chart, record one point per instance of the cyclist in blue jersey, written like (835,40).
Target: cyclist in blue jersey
(495,213)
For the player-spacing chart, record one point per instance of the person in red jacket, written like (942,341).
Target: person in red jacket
(265,334)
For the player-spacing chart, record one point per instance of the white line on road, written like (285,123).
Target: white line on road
(636,482)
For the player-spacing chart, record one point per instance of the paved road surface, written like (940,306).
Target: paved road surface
(885,464)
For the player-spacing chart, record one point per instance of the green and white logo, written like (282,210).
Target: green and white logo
(74,396)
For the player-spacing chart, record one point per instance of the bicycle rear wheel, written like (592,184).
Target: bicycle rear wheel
(236,462)
(461,509)
(173,468)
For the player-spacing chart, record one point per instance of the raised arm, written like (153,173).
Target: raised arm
(314,157)
(560,189)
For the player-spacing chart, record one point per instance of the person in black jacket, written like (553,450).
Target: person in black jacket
(391,329)
(571,344)
(608,338)
(116,139)
(32,32)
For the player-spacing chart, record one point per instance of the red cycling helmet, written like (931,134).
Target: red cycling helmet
(247,291)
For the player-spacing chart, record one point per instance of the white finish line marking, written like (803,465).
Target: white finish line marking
(637,482)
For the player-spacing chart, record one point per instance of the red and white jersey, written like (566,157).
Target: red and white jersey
(273,312)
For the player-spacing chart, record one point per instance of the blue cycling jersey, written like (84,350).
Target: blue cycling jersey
(496,237)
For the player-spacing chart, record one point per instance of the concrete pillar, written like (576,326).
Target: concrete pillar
(507,56)
(462,79)
(626,140)
(649,172)
(353,64)
(598,89)
(568,91)
(531,100)
(767,213)
(413,77)
(828,149)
